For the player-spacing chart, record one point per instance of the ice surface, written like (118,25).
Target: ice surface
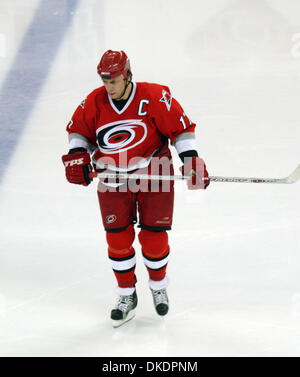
(235,249)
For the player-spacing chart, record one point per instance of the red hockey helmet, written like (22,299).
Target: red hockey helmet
(113,64)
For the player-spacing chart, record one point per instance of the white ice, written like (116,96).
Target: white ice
(234,65)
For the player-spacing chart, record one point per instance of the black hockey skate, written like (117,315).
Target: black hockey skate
(124,310)
(161,301)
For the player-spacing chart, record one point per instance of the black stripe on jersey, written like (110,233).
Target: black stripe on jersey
(155,259)
(122,258)
(123,271)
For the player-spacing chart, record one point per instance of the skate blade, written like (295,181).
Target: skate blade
(121,322)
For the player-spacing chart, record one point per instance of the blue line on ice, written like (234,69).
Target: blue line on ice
(29,70)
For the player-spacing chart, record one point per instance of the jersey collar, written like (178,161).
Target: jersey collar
(127,103)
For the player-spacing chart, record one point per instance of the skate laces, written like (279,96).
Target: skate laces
(160,296)
(124,302)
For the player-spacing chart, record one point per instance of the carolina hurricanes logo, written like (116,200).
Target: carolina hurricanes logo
(82,103)
(167,99)
(110,219)
(120,136)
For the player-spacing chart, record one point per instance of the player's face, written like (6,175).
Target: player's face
(114,87)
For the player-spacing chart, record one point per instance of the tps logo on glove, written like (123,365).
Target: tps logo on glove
(78,167)
(79,161)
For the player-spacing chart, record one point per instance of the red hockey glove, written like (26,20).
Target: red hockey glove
(195,166)
(78,167)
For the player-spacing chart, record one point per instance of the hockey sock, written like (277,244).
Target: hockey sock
(122,256)
(156,251)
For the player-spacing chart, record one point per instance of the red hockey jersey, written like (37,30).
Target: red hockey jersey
(126,139)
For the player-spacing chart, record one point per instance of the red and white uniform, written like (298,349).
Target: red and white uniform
(126,139)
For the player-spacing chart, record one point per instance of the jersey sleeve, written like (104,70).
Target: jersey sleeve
(81,128)
(171,120)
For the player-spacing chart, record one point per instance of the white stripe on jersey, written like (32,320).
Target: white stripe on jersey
(78,141)
(185,142)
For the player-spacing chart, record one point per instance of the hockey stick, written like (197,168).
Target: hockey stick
(139,176)
(292,178)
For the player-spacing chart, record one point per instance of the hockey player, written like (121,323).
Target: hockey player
(126,126)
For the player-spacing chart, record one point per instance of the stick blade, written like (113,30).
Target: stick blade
(295,176)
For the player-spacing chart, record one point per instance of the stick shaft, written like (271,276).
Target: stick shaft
(290,179)
(249,180)
(139,176)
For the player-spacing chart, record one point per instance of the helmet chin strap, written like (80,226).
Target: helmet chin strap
(126,86)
